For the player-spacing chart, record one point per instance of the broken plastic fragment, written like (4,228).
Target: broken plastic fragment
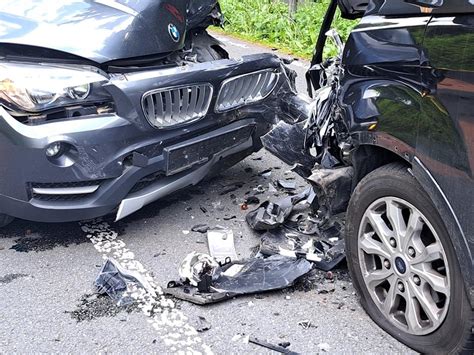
(244,277)
(221,245)
(260,275)
(200,228)
(115,281)
(286,141)
(202,324)
(272,215)
(283,241)
(195,266)
(287,185)
(276,348)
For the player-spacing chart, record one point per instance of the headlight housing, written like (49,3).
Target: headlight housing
(26,87)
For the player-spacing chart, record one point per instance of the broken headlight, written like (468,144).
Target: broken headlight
(40,87)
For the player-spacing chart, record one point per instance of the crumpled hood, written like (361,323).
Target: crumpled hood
(99,30)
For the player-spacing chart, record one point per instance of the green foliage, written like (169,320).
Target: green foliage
(268,21)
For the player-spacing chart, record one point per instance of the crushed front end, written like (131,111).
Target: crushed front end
(149,104)
(148,133)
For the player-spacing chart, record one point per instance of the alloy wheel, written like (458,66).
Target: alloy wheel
(404,266)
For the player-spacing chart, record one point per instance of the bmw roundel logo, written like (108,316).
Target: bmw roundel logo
(174,32)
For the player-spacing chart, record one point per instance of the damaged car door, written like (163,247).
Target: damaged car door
(389,140)
(109,105)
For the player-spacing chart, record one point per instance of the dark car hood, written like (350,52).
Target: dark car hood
(99,30)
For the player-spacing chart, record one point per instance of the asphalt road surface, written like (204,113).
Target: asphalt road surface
(47,301)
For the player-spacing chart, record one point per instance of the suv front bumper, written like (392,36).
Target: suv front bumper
(120,160)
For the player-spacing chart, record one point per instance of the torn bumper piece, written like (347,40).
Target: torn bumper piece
(243,278)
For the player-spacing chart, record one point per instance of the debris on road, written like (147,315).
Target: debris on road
(202,325)
(287,185)
(276,348)
(324,347)
(197,269)
(235,278)
(272,215)
(200,228)
(221,245)
(115,281)
(305,324)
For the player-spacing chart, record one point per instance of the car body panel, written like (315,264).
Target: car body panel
(100,31)
(407,90)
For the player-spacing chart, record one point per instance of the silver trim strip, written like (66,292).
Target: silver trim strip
(169,185)
(81,190)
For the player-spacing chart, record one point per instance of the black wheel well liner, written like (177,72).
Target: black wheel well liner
(367,158)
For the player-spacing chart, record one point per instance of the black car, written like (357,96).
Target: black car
(106,106)
(392,137)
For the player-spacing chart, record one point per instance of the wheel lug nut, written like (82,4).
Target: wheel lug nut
(387,265)
(417,280)
(411,252)
(393,243)
(401,287)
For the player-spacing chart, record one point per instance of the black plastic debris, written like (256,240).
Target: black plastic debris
(272,215)
(231,188)
(114,281)
(333,188)
(260,275)
(252,200)
(200,228)
(244,277)
(286,141)
(283,241)
(202,325)
(277,348)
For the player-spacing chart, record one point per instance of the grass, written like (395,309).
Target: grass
(268,22)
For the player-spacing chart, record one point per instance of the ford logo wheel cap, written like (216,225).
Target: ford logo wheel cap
(174,32)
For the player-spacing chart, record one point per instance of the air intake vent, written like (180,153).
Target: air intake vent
(246,89)
(178,105)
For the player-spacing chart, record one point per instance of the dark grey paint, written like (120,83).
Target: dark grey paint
(94,30)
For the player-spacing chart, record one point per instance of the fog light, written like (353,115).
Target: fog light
(54,149)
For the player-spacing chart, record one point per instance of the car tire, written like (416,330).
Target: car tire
(370,260)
